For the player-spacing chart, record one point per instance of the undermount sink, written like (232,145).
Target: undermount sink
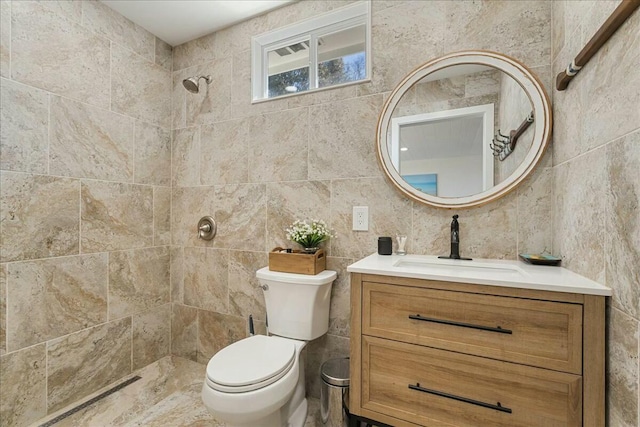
(433,265)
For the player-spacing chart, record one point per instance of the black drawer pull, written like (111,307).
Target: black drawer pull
(464,325)
(496,407)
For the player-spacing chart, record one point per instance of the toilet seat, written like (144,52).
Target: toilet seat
(250,364)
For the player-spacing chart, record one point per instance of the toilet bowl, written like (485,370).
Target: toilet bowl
(249,382)
(259,381)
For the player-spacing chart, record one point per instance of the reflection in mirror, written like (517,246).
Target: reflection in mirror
(444,138)
(463,129)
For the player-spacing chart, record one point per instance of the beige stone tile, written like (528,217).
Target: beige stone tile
(290,201)
(216,331)
(483,83)
(535,212)
(88,142)
(163,54)
(24,115)
(241,105)
(616,106)
(316,353)
(39,216)
(239,209)
(183,408)
(224,149)
(402,38)
(237,38)
(138,280)
(152,154)
(337,148)
(322,96)
(140,88)
(195,52)
(223,43)
(579,214)
(622,369)
(116,216)
(212,103)
(177,274)
(298,11)
(184,331)
(101,19)
(5,38)
(161,216)
(521,29)
(544,74)
(188,205)
(23,379)
(389,213)
(54,297)
(186,157)
(593,14)
(378,5)
(488,231)
(557,28)
(3,309)
(439,90)
(622,256)
(81,363)
(567,109)
(69,9)
(575,13)
(160,380)
(74,62)
(206,279)
(178,99)
(151,335)
(245,295)
(279,146)
(340,312)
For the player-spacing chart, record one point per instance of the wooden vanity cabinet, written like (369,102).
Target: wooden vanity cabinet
(430,353)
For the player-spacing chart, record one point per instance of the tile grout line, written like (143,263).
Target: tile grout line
(604,145)
(6,302)
(48,134)
(131,343)
(46,377)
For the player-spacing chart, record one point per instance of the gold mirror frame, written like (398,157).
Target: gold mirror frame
(542,126)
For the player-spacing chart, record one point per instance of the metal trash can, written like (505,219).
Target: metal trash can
(334,393)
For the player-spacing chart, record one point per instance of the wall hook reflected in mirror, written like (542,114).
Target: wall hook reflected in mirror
(504,145)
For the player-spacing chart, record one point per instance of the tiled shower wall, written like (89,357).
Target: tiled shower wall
(86,171)
(256,168)
(85,203)
(596,165)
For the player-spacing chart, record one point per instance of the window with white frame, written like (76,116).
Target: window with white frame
(329,50)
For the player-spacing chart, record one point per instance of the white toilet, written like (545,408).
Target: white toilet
(259,381)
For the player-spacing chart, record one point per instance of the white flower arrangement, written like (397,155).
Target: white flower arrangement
(308,235)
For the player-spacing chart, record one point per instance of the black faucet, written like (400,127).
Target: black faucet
(455,241)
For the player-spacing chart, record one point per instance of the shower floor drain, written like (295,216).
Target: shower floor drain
(90,402)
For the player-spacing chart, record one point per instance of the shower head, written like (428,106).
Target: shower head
(192,84)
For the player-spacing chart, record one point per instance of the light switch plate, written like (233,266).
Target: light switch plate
(361,218)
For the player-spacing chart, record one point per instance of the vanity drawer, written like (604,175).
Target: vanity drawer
(435,387)
(532,332)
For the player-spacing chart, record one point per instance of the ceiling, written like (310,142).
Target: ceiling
(179,21)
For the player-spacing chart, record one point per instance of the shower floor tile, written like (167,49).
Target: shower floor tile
(167,395)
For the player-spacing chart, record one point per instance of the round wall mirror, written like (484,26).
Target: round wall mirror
(463,129)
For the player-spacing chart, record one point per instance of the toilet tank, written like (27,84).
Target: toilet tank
(297,304)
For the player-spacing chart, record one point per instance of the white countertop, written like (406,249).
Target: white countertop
(512,274)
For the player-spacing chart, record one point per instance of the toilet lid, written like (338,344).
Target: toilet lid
(251,363)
